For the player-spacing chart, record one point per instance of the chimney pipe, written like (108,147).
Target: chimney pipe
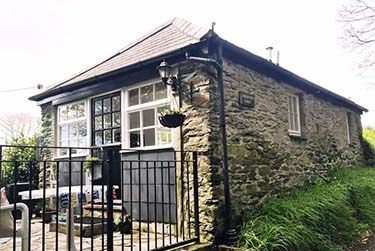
(278,58)
(269,49)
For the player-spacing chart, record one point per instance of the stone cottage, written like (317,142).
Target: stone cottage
(282,130)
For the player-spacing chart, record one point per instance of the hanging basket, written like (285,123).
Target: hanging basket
(172,120)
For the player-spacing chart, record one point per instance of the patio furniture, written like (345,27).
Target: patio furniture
(6,222)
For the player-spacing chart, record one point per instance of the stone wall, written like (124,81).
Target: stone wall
(47,136)
(263,157)
(198,137)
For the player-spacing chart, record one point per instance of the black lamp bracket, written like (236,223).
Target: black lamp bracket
(177,85)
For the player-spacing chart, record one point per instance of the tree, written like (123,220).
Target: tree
(13,125)
(358,17)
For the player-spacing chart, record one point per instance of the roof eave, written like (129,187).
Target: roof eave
(138,65)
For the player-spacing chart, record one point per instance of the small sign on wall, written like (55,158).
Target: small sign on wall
(246,100)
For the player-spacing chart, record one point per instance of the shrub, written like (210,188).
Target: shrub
(368,145)
(25,169)
(325,216)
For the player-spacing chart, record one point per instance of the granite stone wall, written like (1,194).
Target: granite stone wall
(47,137)
(263,158)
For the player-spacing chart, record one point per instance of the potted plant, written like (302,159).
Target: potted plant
(49,209)
(124,226)
(90,164)
(171,118)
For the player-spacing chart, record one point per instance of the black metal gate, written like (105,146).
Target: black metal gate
(74,203)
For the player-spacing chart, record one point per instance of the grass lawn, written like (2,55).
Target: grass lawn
(322,217)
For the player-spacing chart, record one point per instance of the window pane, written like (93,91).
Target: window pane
(164,136)
(98,138)
(72,111)
(116,103)
(117,135)
(133,97)
(63,113)
(107,105)
(107,121)
(64,133)
(64,143)
(116,119)
(291,122)
(82,127)
(98,107)
(149,137)
(81,109)
(82,142)
(98,122)
(63,151)
(134,120)
(107,137)
(160,91)
(295,106)
(290,104)
(296,122)
(148,117)
(147,93)
(73,134)
(135,139)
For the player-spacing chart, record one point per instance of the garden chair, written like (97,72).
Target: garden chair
(6,220)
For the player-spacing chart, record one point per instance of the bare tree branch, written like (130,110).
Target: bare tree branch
(12,125)
(358,18)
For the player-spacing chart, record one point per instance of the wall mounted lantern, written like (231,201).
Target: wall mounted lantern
(171,76)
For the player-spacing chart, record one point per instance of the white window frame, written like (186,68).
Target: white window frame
(70,122)
(348,128)
(140,107)
(296,111)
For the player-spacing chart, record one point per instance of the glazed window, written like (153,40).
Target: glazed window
(294,115)
(106,119)
(72,127)
(349,127)
(143,127)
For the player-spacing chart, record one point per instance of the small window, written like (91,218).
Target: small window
(106,119)
(143,127)
(349,127)
(72,127)
(294,115)
(147,94)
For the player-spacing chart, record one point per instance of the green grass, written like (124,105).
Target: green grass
(322,217)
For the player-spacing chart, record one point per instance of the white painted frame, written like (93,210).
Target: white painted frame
(140,107)
(72,121)
(296,111)
(348,128)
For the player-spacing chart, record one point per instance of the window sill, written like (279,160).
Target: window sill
(151,148)
(73,156)
(296,136)
(108,145)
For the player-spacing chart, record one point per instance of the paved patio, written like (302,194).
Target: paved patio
(6,244)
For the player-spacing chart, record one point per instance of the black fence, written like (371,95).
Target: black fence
(133,200)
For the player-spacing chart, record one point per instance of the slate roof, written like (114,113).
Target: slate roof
(167,38)
(172,35)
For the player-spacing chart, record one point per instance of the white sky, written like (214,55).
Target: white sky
(48,41)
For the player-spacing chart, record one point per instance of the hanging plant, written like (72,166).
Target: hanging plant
(171,118)
(90,161)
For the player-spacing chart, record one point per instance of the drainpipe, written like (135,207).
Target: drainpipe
(230,232)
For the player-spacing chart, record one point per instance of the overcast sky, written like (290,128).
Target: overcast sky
(45,42)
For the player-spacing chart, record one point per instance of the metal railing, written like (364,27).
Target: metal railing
(131,201)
